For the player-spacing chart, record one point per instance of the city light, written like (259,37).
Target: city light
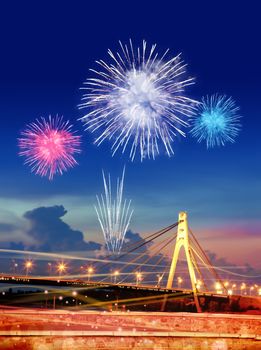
(61,268)
(217,286)
(159,280)
(180,280)
(49,268)
(138,277)
(90,270)
(198,284)
(116,274)
(242,287)
(28,266)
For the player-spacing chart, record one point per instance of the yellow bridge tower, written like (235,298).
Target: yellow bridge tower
(182,240)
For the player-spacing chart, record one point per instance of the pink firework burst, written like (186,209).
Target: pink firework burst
(49,146)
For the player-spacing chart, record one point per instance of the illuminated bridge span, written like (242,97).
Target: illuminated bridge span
(96,291)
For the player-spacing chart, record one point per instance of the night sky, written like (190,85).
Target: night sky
(47,50)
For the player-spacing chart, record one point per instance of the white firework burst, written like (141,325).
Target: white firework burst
(137,101)
(114,214)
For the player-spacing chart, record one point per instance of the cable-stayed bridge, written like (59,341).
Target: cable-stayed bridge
(138,278)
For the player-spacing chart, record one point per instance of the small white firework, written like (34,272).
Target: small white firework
(137,101)
(114,214)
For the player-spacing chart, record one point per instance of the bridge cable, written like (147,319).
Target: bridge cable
(143,242)
(211,268)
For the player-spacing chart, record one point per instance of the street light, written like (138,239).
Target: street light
(49,267)
(61,267)
(180,280)
(116,274)
(198,284)
(218,288)
(138,278)
(90,271)
(159,280)
(28,266)
(15,266)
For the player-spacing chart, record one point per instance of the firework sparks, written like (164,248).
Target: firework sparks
(218,121)
(137,101)
(49,146)
(114,215)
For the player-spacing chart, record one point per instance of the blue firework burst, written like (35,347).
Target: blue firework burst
(217,122)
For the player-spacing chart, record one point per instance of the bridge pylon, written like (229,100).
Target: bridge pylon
(182,240)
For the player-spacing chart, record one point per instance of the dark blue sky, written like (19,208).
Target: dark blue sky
(46,51)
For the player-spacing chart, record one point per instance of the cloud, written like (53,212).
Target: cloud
(10,232)
(52,234)
(131,239)
(6,227)
(43,229)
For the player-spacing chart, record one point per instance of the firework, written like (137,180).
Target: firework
(49,146)
(114,214)
(137,101)
(218,121)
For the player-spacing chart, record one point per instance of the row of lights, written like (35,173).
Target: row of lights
(61,268)
(230,287)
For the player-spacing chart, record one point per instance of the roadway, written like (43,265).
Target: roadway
(24,322)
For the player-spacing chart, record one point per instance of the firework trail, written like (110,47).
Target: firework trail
(218,121)
(114,215)
(137,101)
(49,146)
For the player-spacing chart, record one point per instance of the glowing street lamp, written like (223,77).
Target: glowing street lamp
(61,268)
(90,270)
(198,284)
(233,288)
(218,287)
(138,278)
(49,268)
(116,274)
(15,266)
(28,266)
(159,280)
(180,280)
